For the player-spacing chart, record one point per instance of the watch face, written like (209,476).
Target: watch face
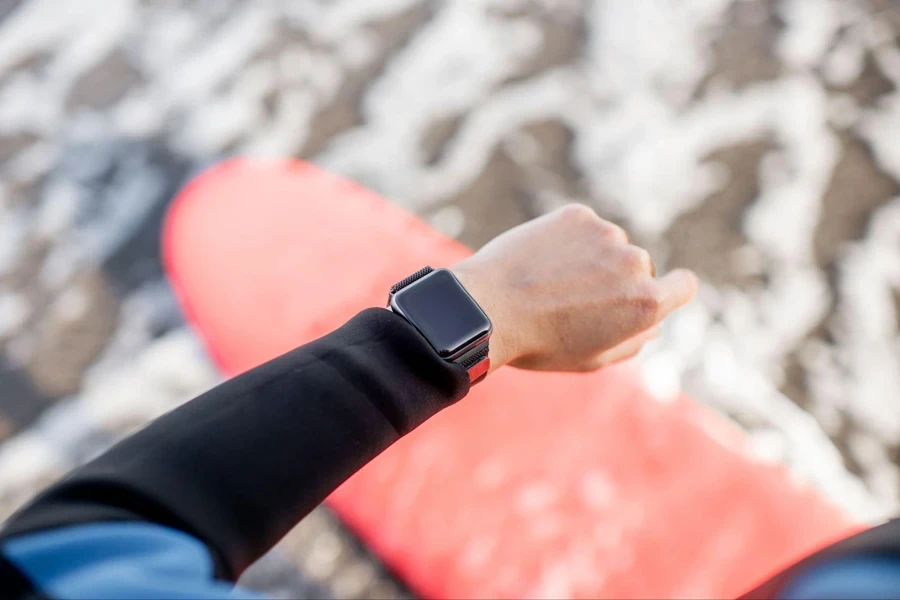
(440,307)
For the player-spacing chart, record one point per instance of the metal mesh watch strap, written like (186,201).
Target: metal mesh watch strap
(410,280)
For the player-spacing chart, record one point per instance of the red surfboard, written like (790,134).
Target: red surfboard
(536,485)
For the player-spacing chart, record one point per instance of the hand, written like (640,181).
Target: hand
(567,292)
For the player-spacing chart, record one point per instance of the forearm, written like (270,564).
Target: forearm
(240,465)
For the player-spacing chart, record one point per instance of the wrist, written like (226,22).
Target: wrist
(488,294)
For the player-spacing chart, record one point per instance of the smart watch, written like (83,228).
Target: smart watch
(440,308)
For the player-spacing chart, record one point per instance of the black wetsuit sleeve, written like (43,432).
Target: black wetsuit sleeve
(239,466)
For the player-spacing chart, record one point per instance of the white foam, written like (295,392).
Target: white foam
(14,311)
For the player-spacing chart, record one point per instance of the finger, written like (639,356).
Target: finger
(627,349)
(676,289)
(646,336)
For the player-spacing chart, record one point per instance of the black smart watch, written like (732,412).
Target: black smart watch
(440,308)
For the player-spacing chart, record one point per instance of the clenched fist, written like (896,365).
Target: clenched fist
(568,292)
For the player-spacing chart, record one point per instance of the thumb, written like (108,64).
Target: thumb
(676,289)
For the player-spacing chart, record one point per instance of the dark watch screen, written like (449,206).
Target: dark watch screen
(443,311)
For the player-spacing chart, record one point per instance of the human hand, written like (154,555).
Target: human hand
(568,292)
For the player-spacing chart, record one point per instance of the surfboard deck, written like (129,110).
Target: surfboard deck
(536,485)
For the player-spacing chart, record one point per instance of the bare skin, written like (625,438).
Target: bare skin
(568,292)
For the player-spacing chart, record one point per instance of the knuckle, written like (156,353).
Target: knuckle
(613,232)
(577,212)
(635,259)
(646,263)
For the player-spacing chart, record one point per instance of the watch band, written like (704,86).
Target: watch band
(478,365)
(409,281)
